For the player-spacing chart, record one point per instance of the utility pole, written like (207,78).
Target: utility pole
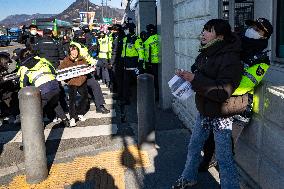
(87,5)
(102,8)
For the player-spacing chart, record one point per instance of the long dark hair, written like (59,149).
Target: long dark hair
(221,27)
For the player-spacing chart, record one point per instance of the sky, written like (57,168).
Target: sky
(11,7)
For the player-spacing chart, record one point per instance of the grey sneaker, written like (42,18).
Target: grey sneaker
(182,183)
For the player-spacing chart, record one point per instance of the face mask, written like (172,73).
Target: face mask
(33,32)
(251,33)
(126,32)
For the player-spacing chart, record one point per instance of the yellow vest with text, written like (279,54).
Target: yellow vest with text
(133,49)
(152,49)
(84,53)
(40,74)
(251,77)
(104,48)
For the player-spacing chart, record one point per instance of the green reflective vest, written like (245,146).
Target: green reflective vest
(133,47)
(39,74)
(251,77)
(84,53)
(152,49)
(110,41)
(103,42)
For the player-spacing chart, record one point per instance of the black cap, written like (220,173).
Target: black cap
(47,32)
(33,26)
(86,28)
(150,27)
(129,26)
(263,24)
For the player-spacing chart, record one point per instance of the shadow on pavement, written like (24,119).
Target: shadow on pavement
(96,179)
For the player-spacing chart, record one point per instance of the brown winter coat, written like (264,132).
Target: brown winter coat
(218,71)
(67,62)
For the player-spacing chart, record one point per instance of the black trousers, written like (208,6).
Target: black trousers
(129,77)
(153,69)
(95,88)
(50,103)
(118,72)
(83,102)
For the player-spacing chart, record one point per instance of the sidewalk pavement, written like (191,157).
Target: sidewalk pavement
(121,164)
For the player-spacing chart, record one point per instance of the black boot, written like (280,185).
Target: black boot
(102,109)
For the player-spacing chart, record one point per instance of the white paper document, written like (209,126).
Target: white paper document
(180,88)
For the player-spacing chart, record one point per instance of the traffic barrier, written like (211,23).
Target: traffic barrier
(33,135)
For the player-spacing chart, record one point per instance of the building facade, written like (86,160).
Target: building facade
(259,152)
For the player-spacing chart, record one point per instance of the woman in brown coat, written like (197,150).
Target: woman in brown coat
(76,84)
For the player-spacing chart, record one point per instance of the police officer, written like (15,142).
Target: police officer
(32,37)
(132,57)
(115,60)
(39,72)
(152,49)
(104,57)
(256,63)
(49,48)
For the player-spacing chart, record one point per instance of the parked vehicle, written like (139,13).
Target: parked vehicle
(14,33)
(4,40)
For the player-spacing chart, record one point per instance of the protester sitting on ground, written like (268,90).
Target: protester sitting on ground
(76,84)
(215,75)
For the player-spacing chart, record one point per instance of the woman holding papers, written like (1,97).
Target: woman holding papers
(215,75)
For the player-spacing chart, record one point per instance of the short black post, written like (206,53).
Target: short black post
(146,109)
(33,135)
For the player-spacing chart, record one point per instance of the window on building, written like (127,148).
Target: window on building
(237,12)
(280,29)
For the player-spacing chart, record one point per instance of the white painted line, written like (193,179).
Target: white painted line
(69,133)
(93,114)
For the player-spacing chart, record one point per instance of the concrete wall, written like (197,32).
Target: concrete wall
(145,14)
(165,25)
(260,151)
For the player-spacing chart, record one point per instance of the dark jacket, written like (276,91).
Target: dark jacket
(218,71)
(50,49)
(117,45)
(31,40)
(67,62)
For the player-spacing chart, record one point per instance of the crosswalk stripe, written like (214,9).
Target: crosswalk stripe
(63,133)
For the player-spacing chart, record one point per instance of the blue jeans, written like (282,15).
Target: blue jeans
(228,172)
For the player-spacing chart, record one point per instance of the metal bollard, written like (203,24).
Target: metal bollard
(146,109)
(33,135)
